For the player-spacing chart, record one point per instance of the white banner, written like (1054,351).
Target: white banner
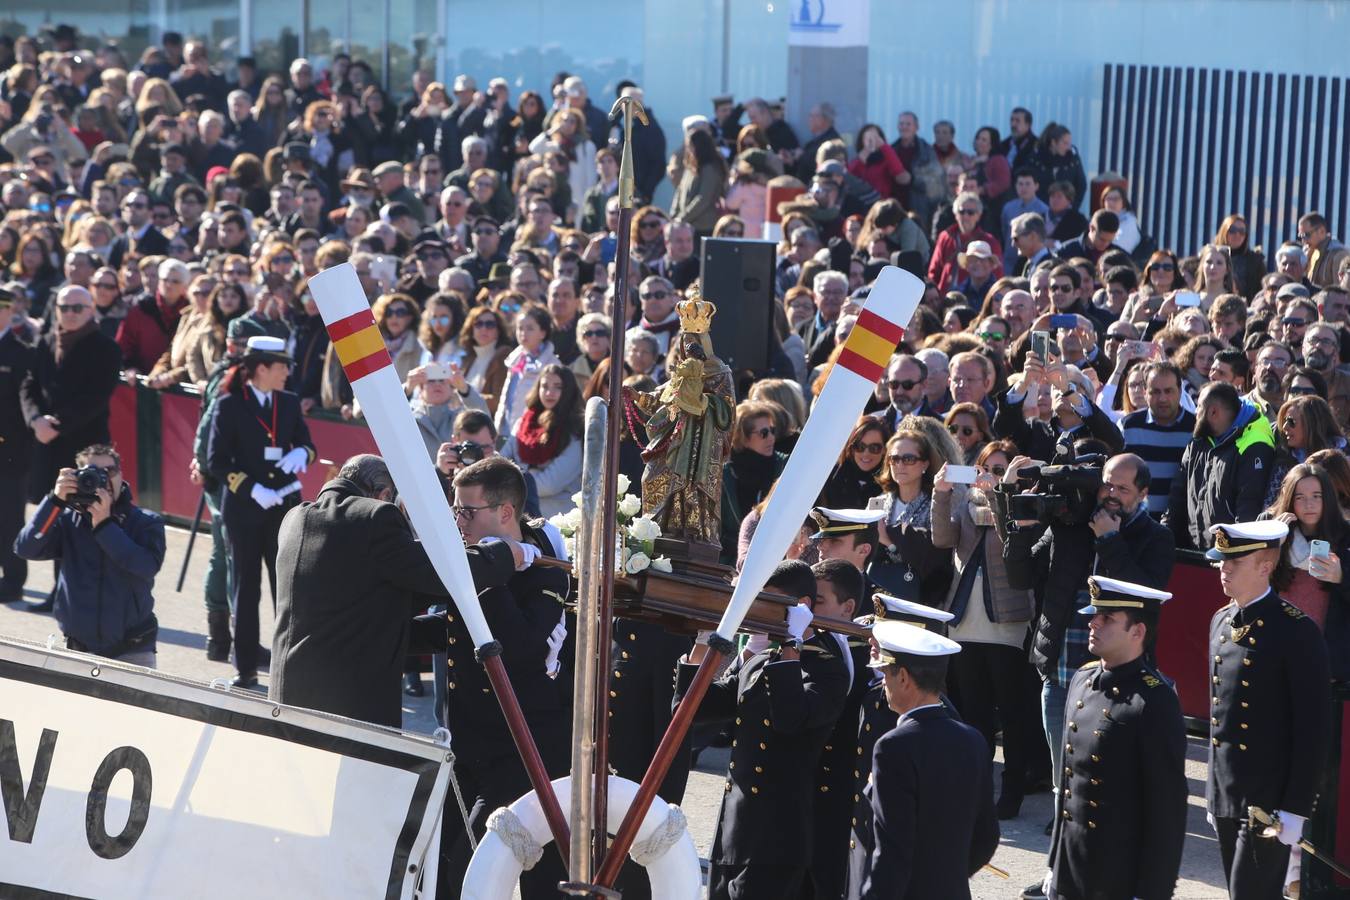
(122,783)
(828,23)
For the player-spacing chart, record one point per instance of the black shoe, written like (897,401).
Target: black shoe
(218,635)
(412,685)
(44,607)
(1049,827)
(1034,892)
(264,657)
(1009,805)
(246,680)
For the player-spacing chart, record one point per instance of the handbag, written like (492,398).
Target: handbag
(894,576)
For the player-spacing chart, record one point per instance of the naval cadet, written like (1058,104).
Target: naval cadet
(781,703)
(876,718)
(258,447)
(932,791)
(1121,812)
(1269,709)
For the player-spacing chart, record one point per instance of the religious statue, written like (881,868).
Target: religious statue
(688,423)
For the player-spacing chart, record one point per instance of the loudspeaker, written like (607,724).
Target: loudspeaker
(738,277)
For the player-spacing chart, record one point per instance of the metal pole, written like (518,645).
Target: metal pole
(629,107)
(490,656)
(589,578)
(718,648)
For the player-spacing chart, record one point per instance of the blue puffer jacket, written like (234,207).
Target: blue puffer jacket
(103,590)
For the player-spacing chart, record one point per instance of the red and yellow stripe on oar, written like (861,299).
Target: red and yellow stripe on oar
(870,345)
(359,345)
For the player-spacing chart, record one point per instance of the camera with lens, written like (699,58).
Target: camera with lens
(88,481)
(1067,495)
(469,452)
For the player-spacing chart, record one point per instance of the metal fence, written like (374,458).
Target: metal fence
(1197,144)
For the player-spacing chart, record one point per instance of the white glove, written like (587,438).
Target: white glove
(757,644)
(555,642)
(798,620)
(265,496)
(1291,828)
(1209,817)
(529,553)
(295,461)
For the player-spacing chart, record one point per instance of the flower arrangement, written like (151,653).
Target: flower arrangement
(637,533)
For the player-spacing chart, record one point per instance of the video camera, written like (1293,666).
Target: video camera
(1068,493)
(88,481)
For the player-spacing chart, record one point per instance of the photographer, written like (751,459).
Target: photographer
(108,551)
(1112,536)
(444,395)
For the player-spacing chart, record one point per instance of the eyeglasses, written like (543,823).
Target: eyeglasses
(767,431)
(1320,342)
(466,512)
(1293,320)
(967,212)
(401,312)
(990,335)
(284,259)
(908,459)
(1290,422)
(655,295)
(485,231)
(870,447)
(1237,229)
(650,223)
(72,308)
(106,285)
(486,323)
(595,333)
(1302,236)
(962,430)
(429,255)
(441,320)
(1062,288)
(904,384)
(135,205)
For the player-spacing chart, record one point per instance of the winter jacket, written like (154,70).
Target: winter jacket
(954,528)
(1052,167)
(105,575)
(147,332)
(696,197)
(944,270)
(1222,480)
(1322,270)
(1049,440)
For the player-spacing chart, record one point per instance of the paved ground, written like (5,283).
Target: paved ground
(182,643)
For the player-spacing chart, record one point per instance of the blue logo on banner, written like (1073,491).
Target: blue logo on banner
(804,21)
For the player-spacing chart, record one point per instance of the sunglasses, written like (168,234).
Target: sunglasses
(869,447)
(1293,320)
(106,285)
(443,321)
(284,259)
(597,333)
(135,205)
(990,335)
(962,430)
(1237,229)
(767,431)
(650,224)
(1062,288)
(998,470)
(1162,267)
(430,255)
(967,212)
(656,295)
(908,459)
(401,312)
(486,323)
(906,384)
(485,231)
(1300,390)
(71,308)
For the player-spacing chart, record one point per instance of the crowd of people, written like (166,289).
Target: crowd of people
(158,224)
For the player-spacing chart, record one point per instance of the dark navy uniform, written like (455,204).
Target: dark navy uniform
(521,615)
(875,718)
(781,713)
(1269,730)
(16,362)
(1120,818)
(244,434)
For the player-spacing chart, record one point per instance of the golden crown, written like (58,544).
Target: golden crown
(695,313)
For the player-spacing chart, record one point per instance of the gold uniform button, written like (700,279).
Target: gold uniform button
(728,787)
(1245,704)
(1246,661)
(1242,725)
(1073,726)
(1213,721)
(632,637)
(732,764)
(450,663)
(759,770)
(1214,741)
(1092,803)
(1096,733)
(852,844)
(1216,679)
(1218,658)
(824,788)
(763,746)
(767,723)
(733,742)
(1096,758)
(624,653)
(1091,824)
(1242,746)
(618,674)
(452,685)
(614,693)
(1094,781)
(738,720)
(1080,704)
(753,789)
(1246,684)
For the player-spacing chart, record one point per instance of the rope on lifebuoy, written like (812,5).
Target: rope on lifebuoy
(515,836)
(645,853)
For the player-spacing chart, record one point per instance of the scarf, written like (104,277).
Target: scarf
(918,514)
(521,360)
(321,148)
(534,445)
(670,326)
(1300,549)
(66,340)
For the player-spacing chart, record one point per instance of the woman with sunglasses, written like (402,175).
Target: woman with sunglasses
(1249,265)
(110,308)
(398,319)
(228,302)
(854,479)
(486,345)
(969,424)
(438,335)
(172,366)
(991,674)
(1304,425)
(905,532)
(752,469)
(944,268)
(648,236)
(593,337)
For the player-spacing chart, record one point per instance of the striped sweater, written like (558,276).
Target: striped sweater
(1161,447)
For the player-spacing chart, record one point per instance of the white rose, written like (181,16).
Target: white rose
(661,564)
(637,562)
(576,499)
(630,506)
(623,484)
(560,522)
(573,519)
(644,529)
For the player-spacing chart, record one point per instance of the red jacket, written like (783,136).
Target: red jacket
(943,269)
(147,331)
(880,175)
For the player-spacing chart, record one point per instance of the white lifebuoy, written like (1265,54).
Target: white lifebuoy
(674,873)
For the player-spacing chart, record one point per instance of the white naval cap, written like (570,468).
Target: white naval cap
(842,521)
(1242,538)
(1111,593)
(894,609)
(895,640)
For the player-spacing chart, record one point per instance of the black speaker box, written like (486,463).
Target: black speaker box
(738,277)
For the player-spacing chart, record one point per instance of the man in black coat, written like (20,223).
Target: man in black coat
(66,394)
(350,577)
(781,704)
(1120,819)
(932,789)
(1269,712)
(16,362)
(526,617)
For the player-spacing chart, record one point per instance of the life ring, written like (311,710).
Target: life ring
(670,859)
